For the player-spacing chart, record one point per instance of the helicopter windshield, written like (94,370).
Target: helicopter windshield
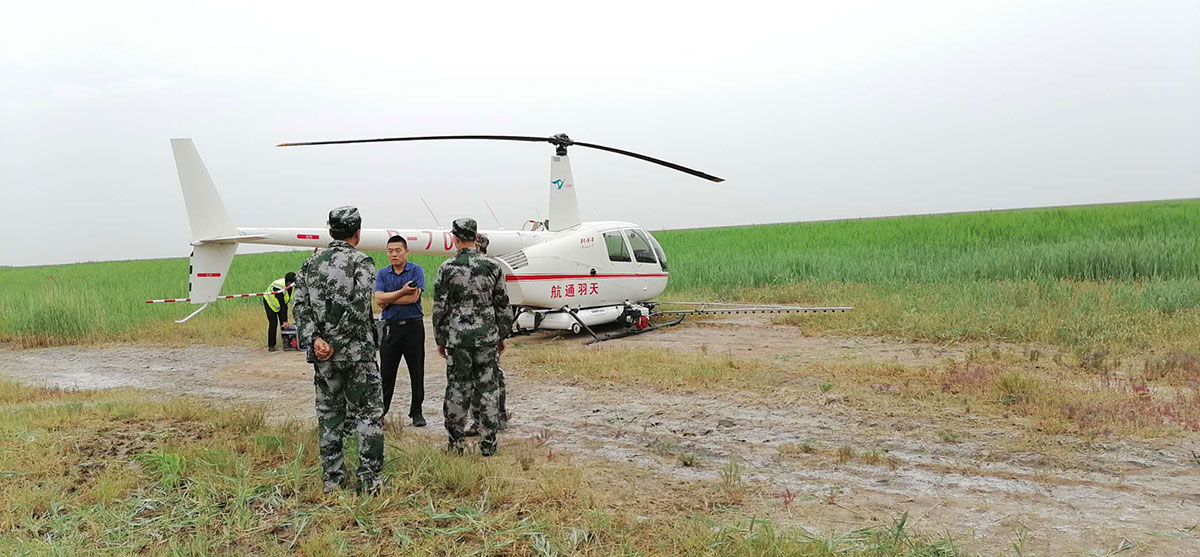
(641,247)
(662,255)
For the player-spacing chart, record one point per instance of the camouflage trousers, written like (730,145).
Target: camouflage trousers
(349,389)
(472,380)
(503,401)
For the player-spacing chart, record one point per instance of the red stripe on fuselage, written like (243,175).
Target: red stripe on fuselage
(576,277)
(308,236)
(208,275)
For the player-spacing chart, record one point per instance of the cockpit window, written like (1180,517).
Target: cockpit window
(662,255)
(641,247)
(616,247)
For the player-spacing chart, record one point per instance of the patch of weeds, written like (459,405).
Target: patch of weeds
(805,447)
(169,467)
(873,457)
(1022,539)
(269,442)
(688,460)
(1031,354)
(393,427)
(893,463)
(831,497)
(1017,387)
(966,376)
(825,387)
(1093,360)
(455,475)
(662,447)
(731,475)
(898,540)
(111,485)
(948,435)
(221,460)
(845,454)
(975,354)
(244,418)
(1176,364)
(526,458)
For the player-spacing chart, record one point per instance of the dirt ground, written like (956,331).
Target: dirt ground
(1116,495)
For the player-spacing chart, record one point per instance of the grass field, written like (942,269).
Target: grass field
(1142,241)
(88,473)
(1075,290)
(1120,277)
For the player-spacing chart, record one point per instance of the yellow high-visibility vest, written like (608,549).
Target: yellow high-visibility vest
(276,287)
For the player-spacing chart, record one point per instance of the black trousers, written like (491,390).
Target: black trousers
(405,342)
(274,320)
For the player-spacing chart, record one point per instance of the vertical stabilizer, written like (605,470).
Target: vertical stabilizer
(564,208)
(208,219)
(206,212)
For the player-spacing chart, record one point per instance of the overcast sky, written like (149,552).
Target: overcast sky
(815,111)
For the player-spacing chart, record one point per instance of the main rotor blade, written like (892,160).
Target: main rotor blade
(422,138)
(558,140)
(671,165)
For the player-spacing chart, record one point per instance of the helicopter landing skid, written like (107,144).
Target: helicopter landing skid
(579,326)
(635,331)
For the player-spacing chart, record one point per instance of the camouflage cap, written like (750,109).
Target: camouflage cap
(482,243)
(464,229)
(345,218)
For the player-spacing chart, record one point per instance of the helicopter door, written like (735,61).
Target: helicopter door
(621,283)
(618,252)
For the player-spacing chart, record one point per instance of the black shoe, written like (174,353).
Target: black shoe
(472,431)
(331,487)
(272,349)
(373,488)
(418,421)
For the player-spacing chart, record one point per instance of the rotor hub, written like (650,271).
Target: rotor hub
(561,142)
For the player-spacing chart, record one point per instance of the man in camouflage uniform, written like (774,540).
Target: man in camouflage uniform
(481,244)
(334,290)
(471,318)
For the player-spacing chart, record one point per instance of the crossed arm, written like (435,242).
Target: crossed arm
(406,295)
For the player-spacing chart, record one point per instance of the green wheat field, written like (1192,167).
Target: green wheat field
(1118,277)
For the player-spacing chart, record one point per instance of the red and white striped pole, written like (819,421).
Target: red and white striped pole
(226,297)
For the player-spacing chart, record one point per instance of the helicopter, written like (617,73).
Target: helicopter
(562,273)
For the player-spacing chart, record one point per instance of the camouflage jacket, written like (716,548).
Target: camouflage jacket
(333,294)
(470,303)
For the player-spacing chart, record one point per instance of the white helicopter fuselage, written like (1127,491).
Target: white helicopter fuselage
(589,265)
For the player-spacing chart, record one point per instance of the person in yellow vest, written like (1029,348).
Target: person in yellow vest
(275,302)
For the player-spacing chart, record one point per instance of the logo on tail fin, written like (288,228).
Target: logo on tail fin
(558,183)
